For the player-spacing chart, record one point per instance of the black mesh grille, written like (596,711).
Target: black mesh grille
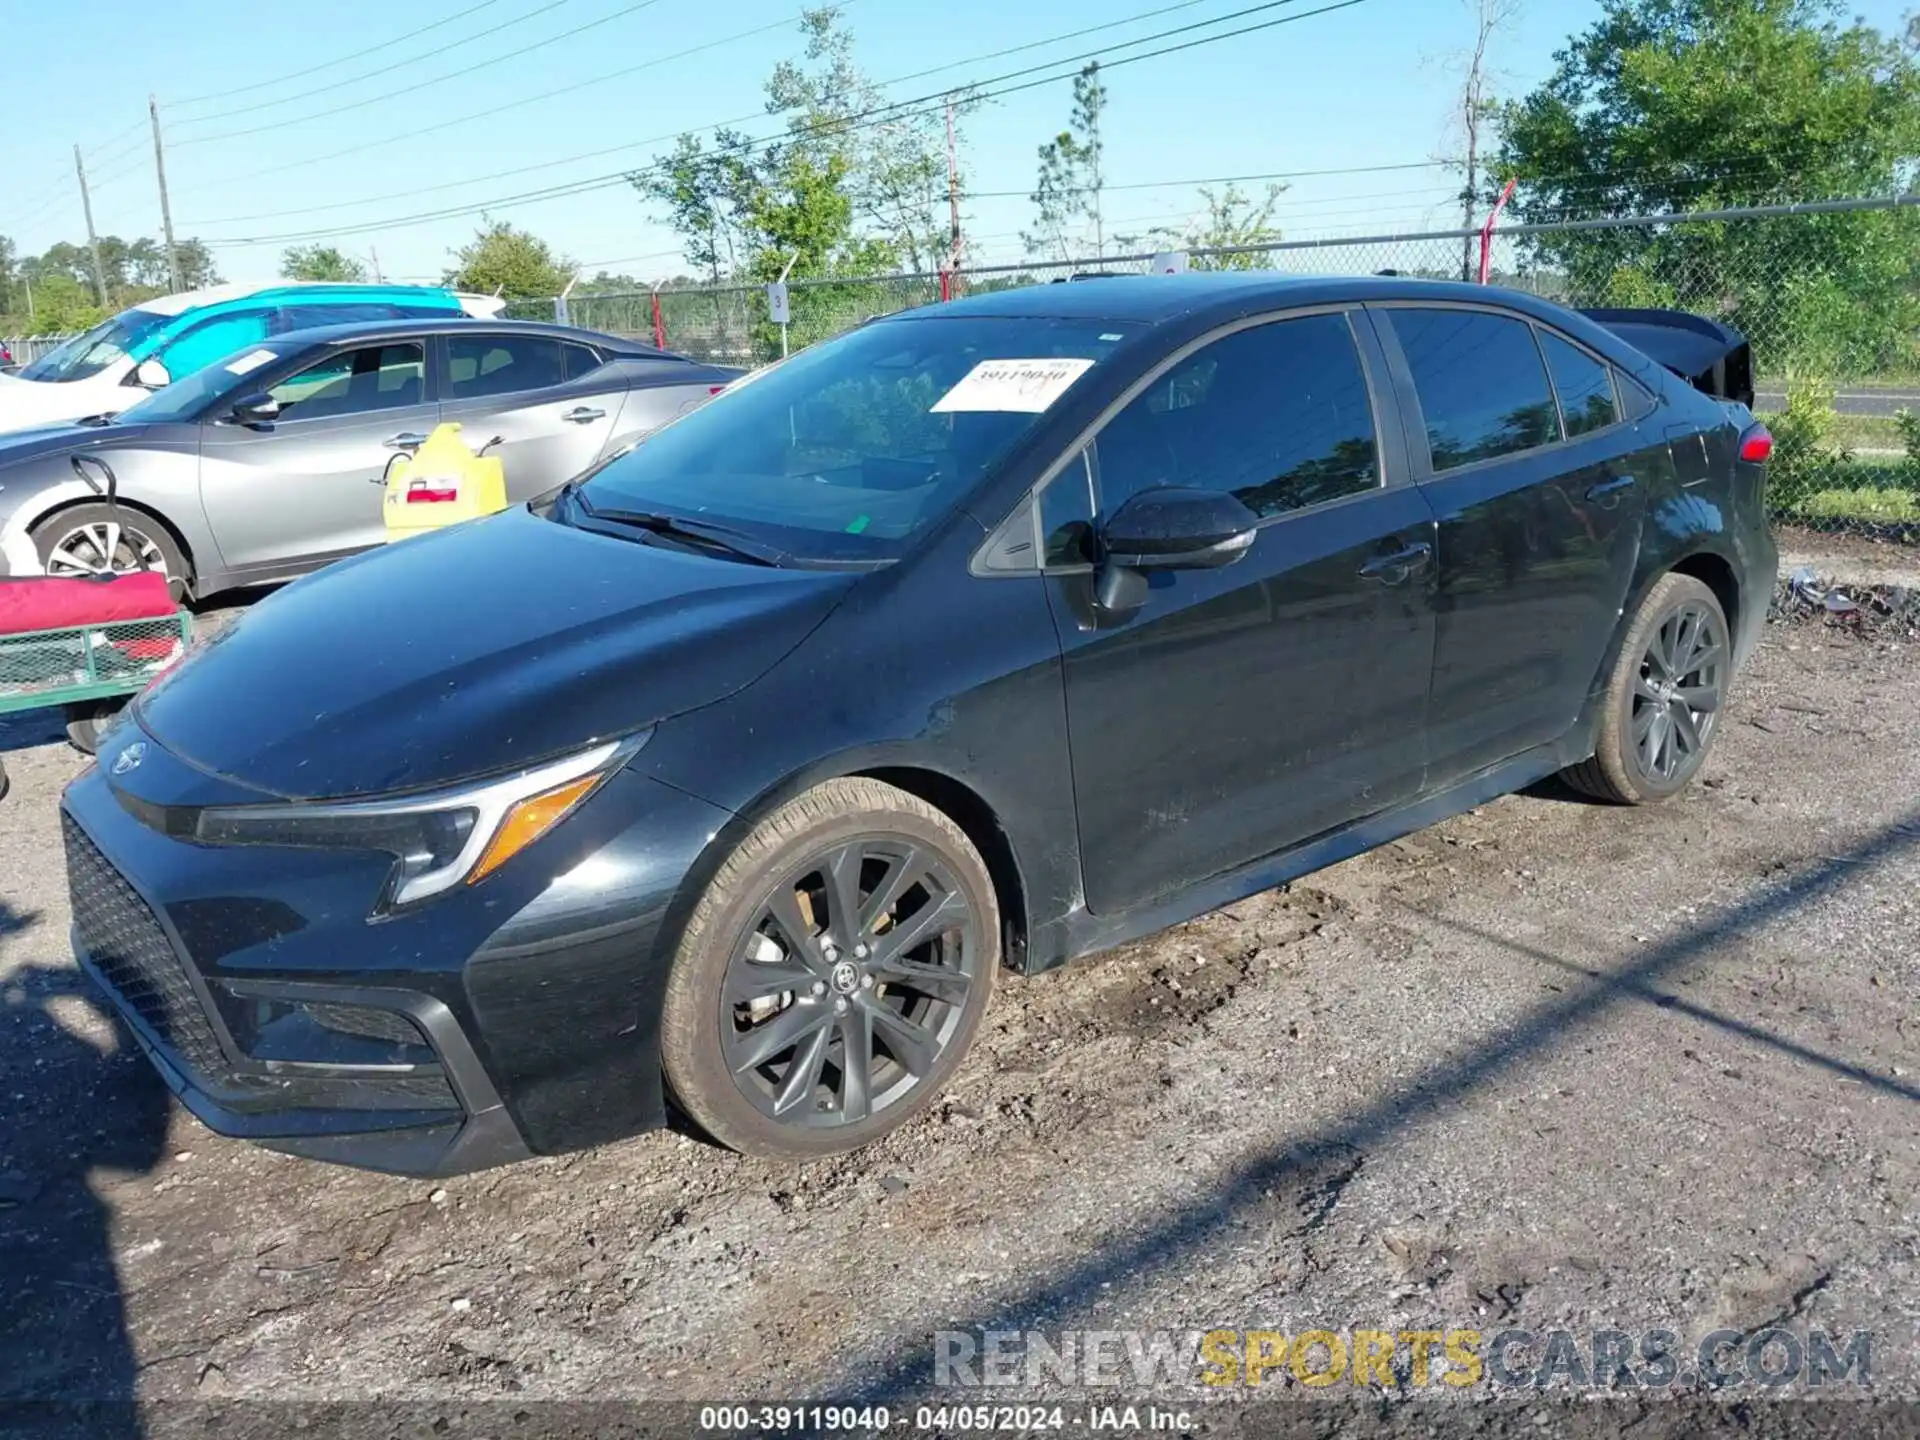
(124,940)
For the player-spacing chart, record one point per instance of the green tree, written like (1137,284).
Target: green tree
(892,161)
(1067,194)
(708,196)
(197,269)
(320,262)
(61,303)
(1229,218)
(503,260)
(1671,105)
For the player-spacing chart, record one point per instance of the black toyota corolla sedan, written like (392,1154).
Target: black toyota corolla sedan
(729,777)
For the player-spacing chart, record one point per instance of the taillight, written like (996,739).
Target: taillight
(1756,446)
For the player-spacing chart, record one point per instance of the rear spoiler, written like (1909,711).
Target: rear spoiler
(1711,357)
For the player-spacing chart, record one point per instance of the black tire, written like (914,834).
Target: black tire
(1644,704)
(87,720)
(71,542)
(735,943)
(5,783)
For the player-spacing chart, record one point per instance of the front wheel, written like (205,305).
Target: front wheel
(87,721)
(1663,701)
(100,539)
(833,974)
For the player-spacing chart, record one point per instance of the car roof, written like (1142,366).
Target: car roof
(185,300)
(1151,299)
(455,323)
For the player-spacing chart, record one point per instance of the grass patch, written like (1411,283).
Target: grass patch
(1868,432)
(1865,502)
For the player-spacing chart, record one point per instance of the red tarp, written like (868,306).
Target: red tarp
(41,603)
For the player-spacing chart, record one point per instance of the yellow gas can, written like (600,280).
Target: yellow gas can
(441,483)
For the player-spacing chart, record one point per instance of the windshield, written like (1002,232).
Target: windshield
(847,449)
(185,399)
(89,354)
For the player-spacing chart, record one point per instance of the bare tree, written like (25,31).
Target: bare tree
(1476,107)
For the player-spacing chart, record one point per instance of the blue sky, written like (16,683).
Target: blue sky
(1366,86)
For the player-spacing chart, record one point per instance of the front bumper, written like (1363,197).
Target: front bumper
(512,1019)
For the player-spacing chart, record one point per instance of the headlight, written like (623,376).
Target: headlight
(438,839)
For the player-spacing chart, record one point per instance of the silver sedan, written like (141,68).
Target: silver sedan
(267,465)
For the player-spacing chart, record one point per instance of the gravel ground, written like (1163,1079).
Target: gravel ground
(1550,1064)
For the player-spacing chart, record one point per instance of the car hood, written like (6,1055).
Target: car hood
(40,441)
(25,403)
(480,648)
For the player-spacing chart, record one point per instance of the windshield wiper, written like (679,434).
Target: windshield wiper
(720,538)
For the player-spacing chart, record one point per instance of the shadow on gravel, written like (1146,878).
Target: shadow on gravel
(1052,1299)
(63,1323)
(1635,988)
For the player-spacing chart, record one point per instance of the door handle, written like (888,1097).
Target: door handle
(1395,568)
(584,415)
(1608,492)
(405,440)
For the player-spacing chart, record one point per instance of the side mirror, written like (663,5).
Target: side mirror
(1178,529)
(152,374)
(256,410)
(1169,528)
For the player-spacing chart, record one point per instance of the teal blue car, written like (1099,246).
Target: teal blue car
(120,361)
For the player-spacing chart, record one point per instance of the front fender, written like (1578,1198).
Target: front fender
(32,504)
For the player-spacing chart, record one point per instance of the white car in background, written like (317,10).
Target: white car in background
(120,361)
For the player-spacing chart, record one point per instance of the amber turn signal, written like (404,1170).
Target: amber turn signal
(527,821)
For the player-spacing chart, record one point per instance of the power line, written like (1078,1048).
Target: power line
(1223,179)
(228,91)
(887,113)
(136,130)
(493,110)
(333,85)
(415,132)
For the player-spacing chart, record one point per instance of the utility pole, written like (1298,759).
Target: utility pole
(953,194)
(166,212)
(373,254)
(93,241)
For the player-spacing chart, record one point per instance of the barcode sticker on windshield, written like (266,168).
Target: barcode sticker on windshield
(249,362)
(1029,386)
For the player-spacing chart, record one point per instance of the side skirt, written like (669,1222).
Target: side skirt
(1082,933)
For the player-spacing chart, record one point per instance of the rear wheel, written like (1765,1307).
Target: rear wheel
(1663,701)
(832,976)
(100,540)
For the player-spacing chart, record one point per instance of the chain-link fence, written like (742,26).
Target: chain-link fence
(1828,294)
(25,349)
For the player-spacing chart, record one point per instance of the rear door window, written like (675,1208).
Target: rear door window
(582,360)
(1584,385)
(311,315)
(482,365)
(1481,384)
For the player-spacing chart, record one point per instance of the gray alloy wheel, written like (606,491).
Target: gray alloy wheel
(1664,700)
(833,975)
(94,540)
